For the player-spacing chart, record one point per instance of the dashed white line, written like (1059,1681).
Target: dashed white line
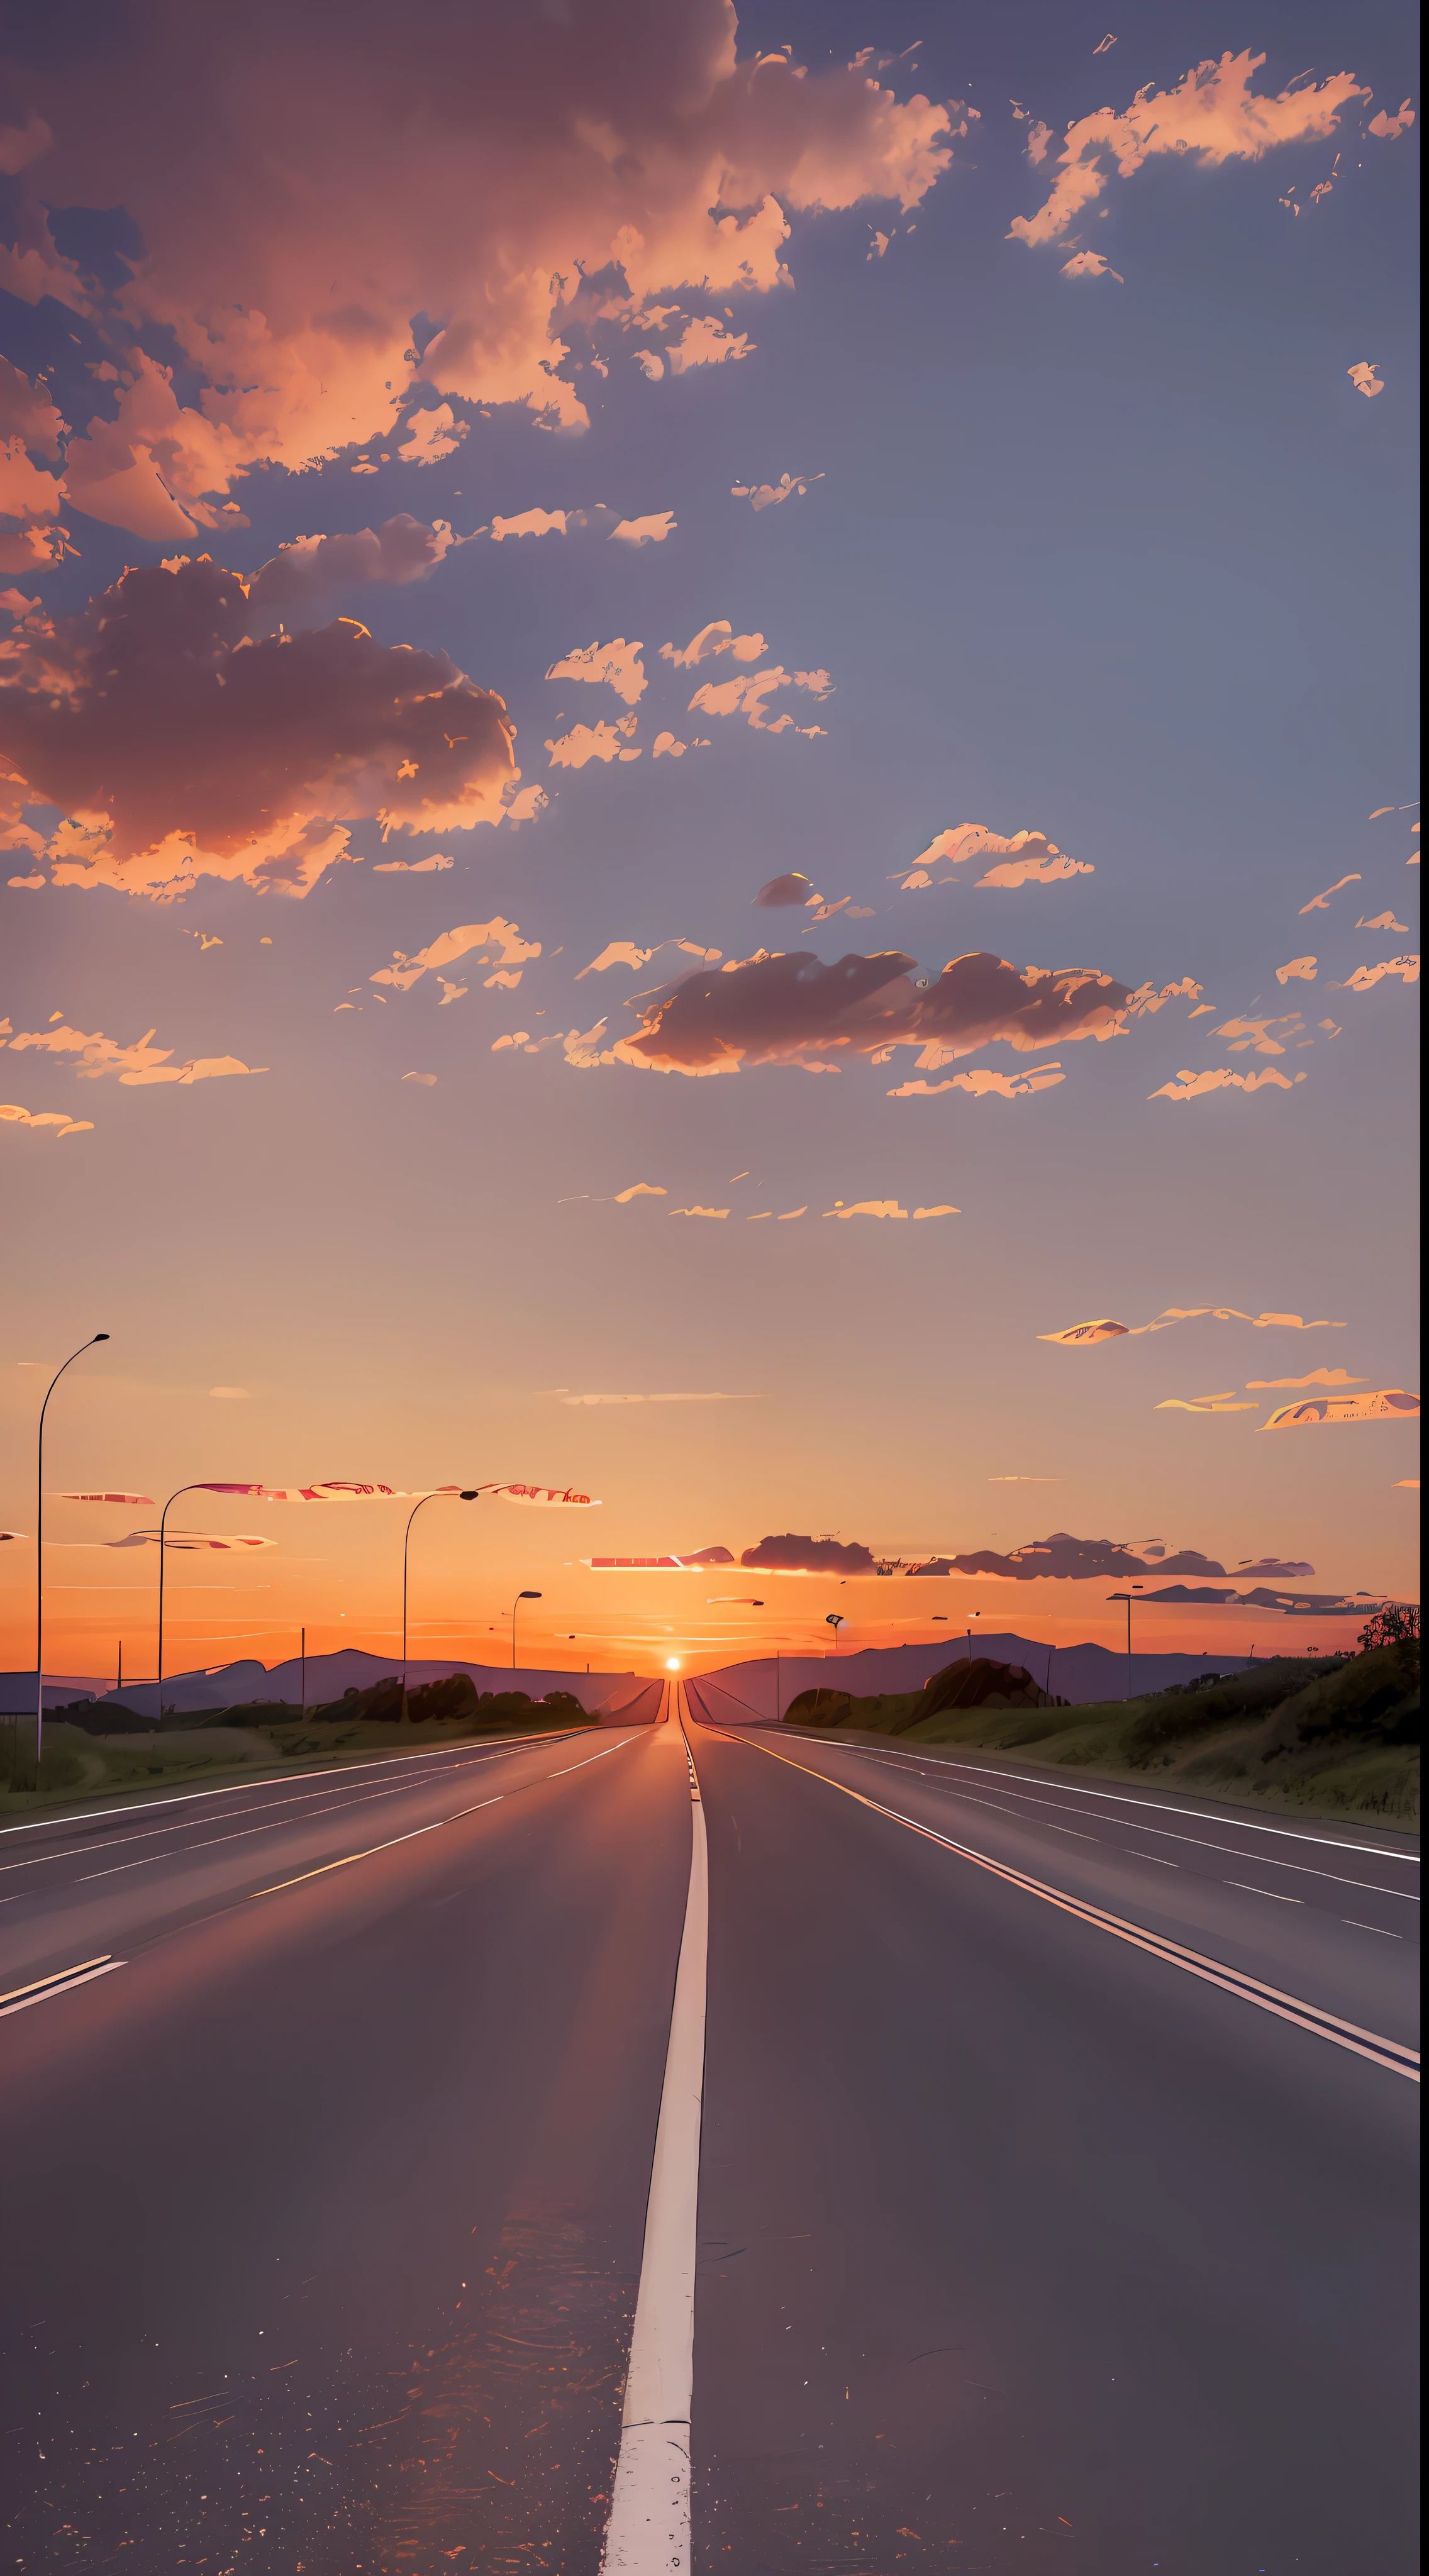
(1275,1899)
(1371,1927)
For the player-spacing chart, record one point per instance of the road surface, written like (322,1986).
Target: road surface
(1054,2192)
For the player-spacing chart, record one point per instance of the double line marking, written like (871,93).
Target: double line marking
(1388,2053)
(59,1982)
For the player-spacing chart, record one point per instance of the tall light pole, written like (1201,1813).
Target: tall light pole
(521,1596)
(40,1549)
(163,1516)
(1127,1598)
(833,1620)
(977,1614)
(468,1495)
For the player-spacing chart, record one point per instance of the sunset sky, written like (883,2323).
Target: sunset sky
(484,507)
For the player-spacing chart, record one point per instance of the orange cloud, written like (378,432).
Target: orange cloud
(705,343)
(1029,858)
(872,1207)
(592,742)
(138,1063)
(1321,902)
(617,665)
(299,576)
(292,310)
(1316,1377)
(767,496)
(1299,970)
(794,1010)
(717,638)
(1195,1086)
(1365,978)
(1365,379)
(178,747)
(1077,1336)
(1212,114)
(984,1085)
(490,942)
(1089,263)
(1389,128)
(1227,1403)
(1387,1404)
(59,1120)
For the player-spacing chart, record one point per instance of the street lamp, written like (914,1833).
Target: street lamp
(1127,1598)
(832,1620)
(977,1614)
(40,1554)
(521,1596)
(467,1495)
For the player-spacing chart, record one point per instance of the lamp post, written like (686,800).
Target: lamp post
(1127,1598)
(163,1516)
(40,1548)
(832,1620)
(467,1495)
(521,1596)
(977,1614)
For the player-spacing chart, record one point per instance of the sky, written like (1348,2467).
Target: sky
(699,714)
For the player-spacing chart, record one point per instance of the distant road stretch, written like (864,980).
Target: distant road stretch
(1055,2174)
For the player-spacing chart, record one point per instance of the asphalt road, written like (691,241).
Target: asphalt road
(1035,2233)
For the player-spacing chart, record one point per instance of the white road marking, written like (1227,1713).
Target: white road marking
(1371,1927)
(1072,1830)
(63,1985)
(1156,1856)
(1128,1798)
(276,1780)
(1267,1860)
(1392,2054)
(648,2533)
(1275,1899)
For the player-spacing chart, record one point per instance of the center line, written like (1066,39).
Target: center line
(1262,1891)
(648,2533)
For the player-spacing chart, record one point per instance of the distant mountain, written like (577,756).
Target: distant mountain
(239,1684)
(744,1694)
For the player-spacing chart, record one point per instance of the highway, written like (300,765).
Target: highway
(1054,2181)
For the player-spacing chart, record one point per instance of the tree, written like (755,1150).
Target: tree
(1396,1624)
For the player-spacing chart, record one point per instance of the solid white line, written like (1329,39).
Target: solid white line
(64,1987)
(1126,1798)
(648,2533)
(276,1779)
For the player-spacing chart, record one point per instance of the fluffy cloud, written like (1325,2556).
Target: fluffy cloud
(791,1555)
(294,581)
(766,496)
(782,892)
(1081,1336)
(30,498)
(794,1010)
(58,1121)
(1387,1404)
(286,281)
(705,343)
(496,943)
(1227,1403)
(1065,1559)
(1365,978)
(717,638)
(1028,858)
(177,746)
(985,1085)
(1212,114)
(139,1063)
(600,741)
(617,665)
(1195,1086)
(1089,263)
(1388,127)
(1315,1377)
(1366,379)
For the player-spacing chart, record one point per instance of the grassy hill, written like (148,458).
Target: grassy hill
(1335,1737)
